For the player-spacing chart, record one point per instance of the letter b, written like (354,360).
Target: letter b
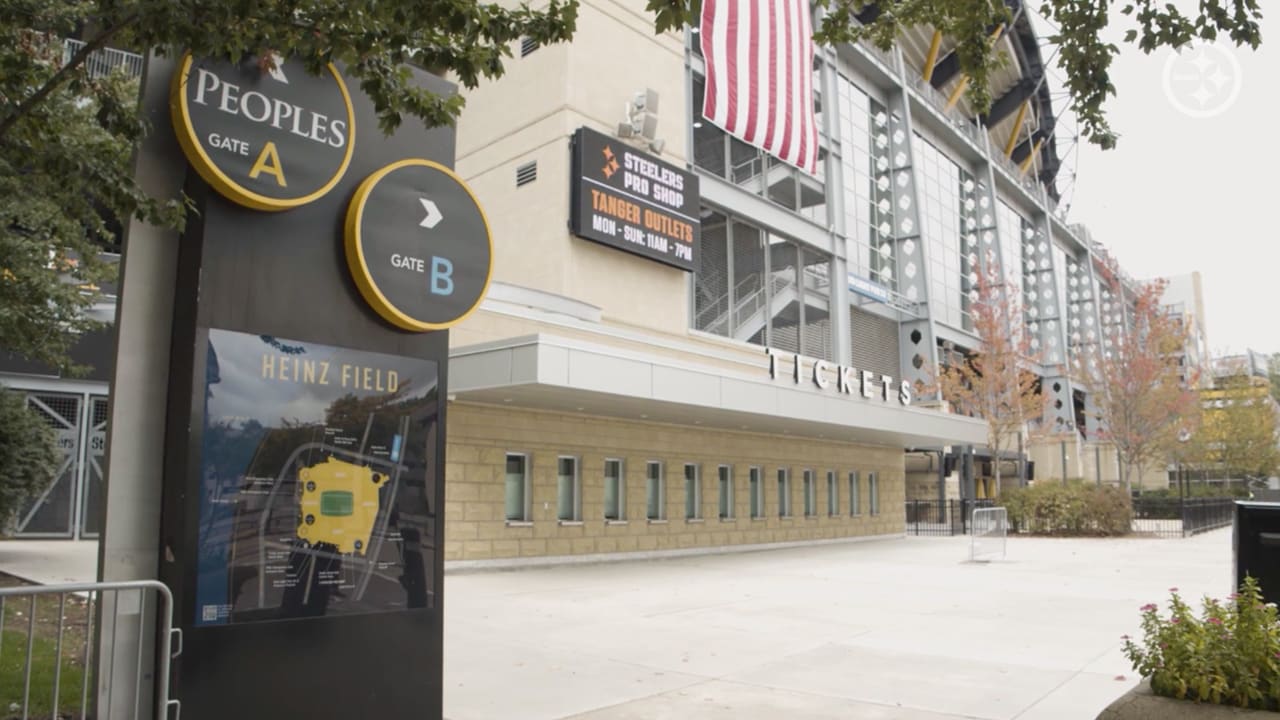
(441,276)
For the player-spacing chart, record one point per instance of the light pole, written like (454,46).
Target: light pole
(1184,436)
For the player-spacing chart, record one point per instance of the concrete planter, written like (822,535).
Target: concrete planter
(1141,704)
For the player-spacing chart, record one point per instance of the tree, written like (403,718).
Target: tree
(67,135)
(28,457)
(1084,55)
(1273,375)
(1134,378)
(1238,435)
(994,382)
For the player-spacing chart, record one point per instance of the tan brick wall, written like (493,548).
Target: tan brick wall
(481,436)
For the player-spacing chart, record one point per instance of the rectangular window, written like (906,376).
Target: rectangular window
(568,490)
(755,488)
(810,494)
(855,492)
(615,492)
(692,492)
(873,490)
(833,494)
(726,491)
(517,492)
(654,494)
(784,492)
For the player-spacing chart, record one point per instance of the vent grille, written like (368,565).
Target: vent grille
(873,342)
(526,173)
(527,45)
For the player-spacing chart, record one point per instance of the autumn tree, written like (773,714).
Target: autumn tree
(1238,435)
(1140,400)
(994,381)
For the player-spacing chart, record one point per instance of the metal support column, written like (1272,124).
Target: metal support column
(918,347)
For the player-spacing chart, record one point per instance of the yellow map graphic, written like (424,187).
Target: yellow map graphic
(339,504)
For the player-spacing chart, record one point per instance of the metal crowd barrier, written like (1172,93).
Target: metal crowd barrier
(125,598)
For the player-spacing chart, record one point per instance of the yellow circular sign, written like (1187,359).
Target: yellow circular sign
(265,134)
(418,245)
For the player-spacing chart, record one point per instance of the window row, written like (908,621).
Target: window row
(519,491)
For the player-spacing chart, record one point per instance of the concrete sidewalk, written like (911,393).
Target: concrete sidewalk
(48,562)
(899,628)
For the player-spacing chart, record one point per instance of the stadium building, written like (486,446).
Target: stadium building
(691,343)
(614,396)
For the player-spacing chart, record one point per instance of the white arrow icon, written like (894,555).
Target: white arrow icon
(277,71)
(433,217)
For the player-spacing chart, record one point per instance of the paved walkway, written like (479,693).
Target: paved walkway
(888,629)
(900,629)
(48,562)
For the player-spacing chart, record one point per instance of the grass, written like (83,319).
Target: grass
(13,655)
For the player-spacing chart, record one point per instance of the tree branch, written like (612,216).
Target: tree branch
(63,73)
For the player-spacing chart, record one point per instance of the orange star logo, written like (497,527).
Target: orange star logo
(611,162)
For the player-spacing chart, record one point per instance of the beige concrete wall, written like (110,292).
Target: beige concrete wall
(481,436)
(529,115)
(1083,464)
(1046,453)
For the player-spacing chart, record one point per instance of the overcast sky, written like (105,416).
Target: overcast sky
(1194,183)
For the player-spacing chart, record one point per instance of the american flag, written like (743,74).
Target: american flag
(759,58)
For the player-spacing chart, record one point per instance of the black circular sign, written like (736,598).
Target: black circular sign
(418,245)
(265,134)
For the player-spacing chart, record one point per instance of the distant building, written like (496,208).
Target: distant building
(1184,298)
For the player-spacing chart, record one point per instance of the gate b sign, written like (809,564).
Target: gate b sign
(418,245)
(264,133)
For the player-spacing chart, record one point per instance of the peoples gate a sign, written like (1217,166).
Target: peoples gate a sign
(263,132)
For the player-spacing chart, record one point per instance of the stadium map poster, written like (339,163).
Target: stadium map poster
(315,496)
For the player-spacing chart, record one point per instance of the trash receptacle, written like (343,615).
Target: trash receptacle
(1257,546)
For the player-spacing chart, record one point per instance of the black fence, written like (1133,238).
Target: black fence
(1162,517)
(1174,517)
(943,518)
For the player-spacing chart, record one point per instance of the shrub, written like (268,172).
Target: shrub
(28,457)
(1228,656)
(1050,508)
(1200,490)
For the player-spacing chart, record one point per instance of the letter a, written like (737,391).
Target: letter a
(273,168)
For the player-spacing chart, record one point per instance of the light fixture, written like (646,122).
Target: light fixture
(640,119)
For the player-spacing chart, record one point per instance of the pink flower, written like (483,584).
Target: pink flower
(1233,596)
(1124,637)
(1173,589)
(1215,621)
(1164,646)
(1175,621)
(1149,607)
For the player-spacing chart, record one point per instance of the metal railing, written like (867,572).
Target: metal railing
(1175,517)
(988,534)
(939,518)
(105,61)
(952,114)
(48,638)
